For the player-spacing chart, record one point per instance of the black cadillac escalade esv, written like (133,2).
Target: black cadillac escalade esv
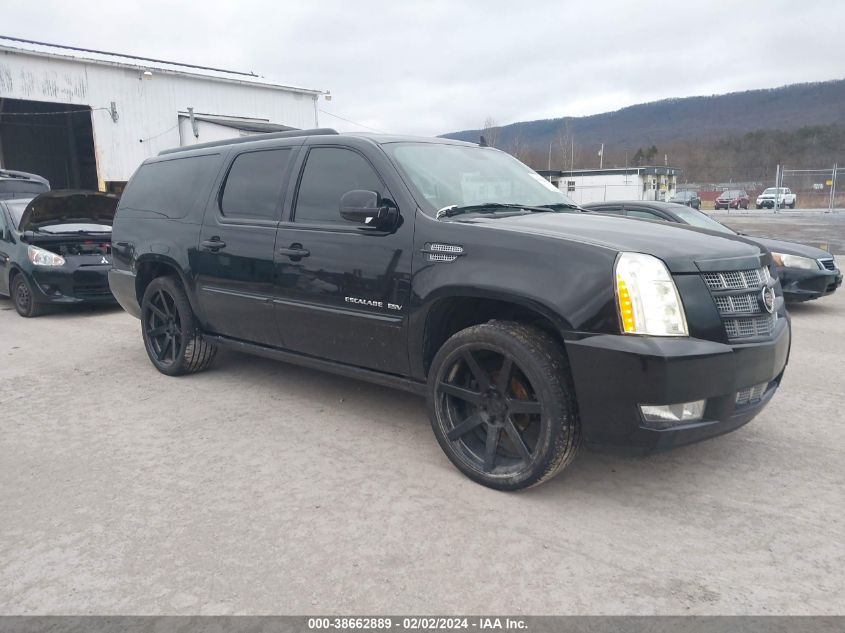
(451,270)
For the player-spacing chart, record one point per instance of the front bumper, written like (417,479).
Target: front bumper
(803,285)
(70,284)
(614,374)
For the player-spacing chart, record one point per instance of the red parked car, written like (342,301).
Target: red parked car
(732,199)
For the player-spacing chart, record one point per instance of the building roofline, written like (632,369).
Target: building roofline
(32,47)
(647,169)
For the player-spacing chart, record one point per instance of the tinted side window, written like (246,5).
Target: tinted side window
(254,185)
(170,188)
(646,215)
(329,173)
(613,210)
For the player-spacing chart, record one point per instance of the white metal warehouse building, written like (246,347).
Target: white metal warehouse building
(86,119)
(628,183)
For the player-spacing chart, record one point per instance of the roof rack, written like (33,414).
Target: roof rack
(248,139)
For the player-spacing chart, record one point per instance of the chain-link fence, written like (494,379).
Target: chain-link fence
(815,188)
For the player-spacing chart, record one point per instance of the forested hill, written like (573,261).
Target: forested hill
(732,137)
(705,118)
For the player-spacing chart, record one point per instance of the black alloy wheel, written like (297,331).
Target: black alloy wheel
(501,405)
(163,327)
(171,337)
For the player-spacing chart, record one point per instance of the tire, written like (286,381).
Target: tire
(758,206)
(792,206)
(169,329)
(506,431)
(22,296)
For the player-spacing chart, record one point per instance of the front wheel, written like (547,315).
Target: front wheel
(502,405)
(169,329)
(23,298)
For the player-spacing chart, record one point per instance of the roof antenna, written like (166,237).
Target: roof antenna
(482,142)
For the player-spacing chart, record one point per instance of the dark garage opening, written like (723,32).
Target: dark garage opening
(53,140)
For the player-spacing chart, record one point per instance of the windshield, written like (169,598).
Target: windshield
(16,208)
(773,190)
(19,188)
(447,175)
(701,220)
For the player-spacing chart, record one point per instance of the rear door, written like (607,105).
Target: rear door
(234,266)
(343,288)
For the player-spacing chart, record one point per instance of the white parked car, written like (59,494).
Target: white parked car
(785,198)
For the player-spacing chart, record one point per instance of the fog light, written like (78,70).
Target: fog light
(662,416)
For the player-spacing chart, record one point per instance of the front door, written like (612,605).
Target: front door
(5,252)
(234,266)
(343,288)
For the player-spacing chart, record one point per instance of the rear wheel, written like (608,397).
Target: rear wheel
(502,405)
(23,298)
(169,329)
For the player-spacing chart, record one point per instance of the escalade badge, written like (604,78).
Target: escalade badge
(769,299)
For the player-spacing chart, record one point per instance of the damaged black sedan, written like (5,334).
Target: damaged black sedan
(55,249)
(805,272)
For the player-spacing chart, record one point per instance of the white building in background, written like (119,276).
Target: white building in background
(629,183)
(86,119)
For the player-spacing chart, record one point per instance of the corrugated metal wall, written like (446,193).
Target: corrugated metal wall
(147,109)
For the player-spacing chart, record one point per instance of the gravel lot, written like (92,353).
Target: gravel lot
(262,488)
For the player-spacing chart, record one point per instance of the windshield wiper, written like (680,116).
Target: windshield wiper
(454,209)
(561,205)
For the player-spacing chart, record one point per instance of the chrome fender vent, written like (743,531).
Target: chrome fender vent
(442,252)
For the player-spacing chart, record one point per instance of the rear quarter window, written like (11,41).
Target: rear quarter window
(171,188)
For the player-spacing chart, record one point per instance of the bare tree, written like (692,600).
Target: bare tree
(565,146)
(490,131)
(518,148)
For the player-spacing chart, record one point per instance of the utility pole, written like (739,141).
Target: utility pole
(601,156)
(777,188)
(833,188)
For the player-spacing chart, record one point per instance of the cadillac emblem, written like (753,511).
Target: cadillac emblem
(769,299)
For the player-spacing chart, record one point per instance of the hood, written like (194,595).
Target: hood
(54,208)
(790,248)
(684,249)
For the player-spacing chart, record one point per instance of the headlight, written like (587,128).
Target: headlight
(794,261)
(647,298)
(41,257)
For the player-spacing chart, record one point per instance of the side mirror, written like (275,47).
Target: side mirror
(366,207)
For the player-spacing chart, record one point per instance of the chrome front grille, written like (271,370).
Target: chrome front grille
(737,279)
(828,263)
(745,303)
(763,325)
(751,395)
(738,295)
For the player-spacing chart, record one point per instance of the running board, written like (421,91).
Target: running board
(350,371)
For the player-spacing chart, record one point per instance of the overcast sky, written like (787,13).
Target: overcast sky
(434,67)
